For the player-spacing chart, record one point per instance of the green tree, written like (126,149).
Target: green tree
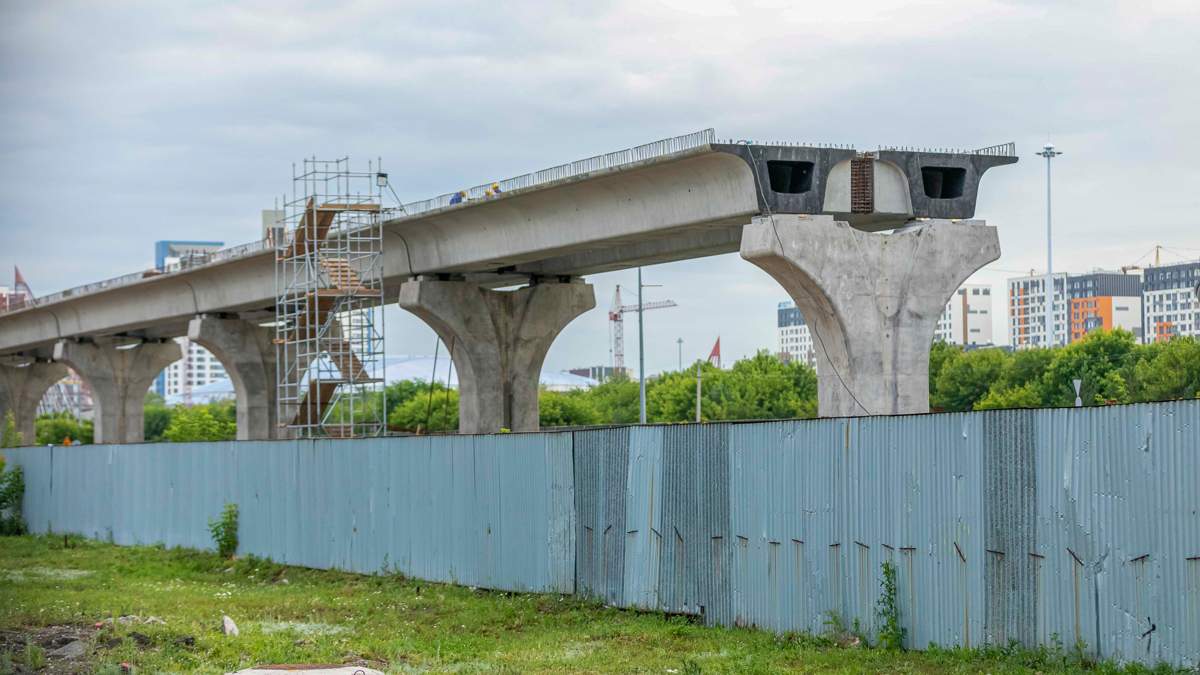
(1097,360)
(616,400)
(966,377)
(671,396)
(763,387)
(1026,366)
(399,393)
(198,424)
(1027,395)
(56,428)
(1166,370)
(939,353)
(567,409)
(760,387)
(422,414)
(10,437)
(156,417)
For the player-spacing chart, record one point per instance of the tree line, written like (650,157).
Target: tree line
(1111,365)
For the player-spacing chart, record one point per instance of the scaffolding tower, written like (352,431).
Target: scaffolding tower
(329,303)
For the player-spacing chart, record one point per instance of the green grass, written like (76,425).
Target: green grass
(388,622)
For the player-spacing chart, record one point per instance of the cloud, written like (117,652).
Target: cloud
(126,124)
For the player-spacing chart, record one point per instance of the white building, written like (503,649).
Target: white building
(967,319)
(1027,311)
(1170,303)
(795,339)
(197,368)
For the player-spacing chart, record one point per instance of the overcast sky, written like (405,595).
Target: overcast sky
(122,124)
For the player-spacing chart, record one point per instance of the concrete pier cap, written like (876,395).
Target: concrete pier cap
(871,300)
(119,373)
(498,341)
(22,386)
(247,352)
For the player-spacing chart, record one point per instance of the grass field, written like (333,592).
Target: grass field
(160,610)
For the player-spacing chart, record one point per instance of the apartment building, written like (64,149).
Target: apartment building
(1171,301)
(795,338)
(1104,301)
(967,318)
(1027,300)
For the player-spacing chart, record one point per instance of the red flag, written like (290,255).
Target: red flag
(19,284)
(714,356)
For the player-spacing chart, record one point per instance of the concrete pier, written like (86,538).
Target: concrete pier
(871,300)
(21,390)
(498,340)
(119,377)
(245,350)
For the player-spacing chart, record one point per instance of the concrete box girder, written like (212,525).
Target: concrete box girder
(672,207)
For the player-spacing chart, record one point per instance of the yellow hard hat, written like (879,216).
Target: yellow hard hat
(495,186)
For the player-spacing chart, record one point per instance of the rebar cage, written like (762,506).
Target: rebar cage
(329,326)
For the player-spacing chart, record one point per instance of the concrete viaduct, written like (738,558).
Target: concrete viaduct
(870,245)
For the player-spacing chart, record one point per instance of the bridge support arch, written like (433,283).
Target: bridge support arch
(21,390)
(498,341)
(871,300)
(246,351)
(119,378)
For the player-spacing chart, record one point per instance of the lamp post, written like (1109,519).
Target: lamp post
(1049,153)
(641,356)
(679,341)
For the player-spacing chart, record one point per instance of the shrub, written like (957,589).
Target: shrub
(224,531)
(12,492)
(10,437)
(198,424)
(891,634)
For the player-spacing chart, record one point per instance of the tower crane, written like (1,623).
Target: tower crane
(616,319)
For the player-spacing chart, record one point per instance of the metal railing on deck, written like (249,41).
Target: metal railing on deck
(611,160)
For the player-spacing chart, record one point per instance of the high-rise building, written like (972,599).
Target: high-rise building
(198,366)
(1027,311)
(1083,303)
(1104,301)
(967,318)
(1170,301)
(795,338)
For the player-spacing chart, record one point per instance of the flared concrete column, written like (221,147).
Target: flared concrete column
(872,301)
(247,352)
(119,379)
(498,341)
(21,390)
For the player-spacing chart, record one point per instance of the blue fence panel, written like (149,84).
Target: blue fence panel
(1080,524)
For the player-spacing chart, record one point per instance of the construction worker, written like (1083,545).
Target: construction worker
(496,189)
(458,197)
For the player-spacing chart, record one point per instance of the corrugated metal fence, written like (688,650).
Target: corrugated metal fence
(1081,525)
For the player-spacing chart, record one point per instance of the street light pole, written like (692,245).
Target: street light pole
(1050,153)
(641,356)
(679,342)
